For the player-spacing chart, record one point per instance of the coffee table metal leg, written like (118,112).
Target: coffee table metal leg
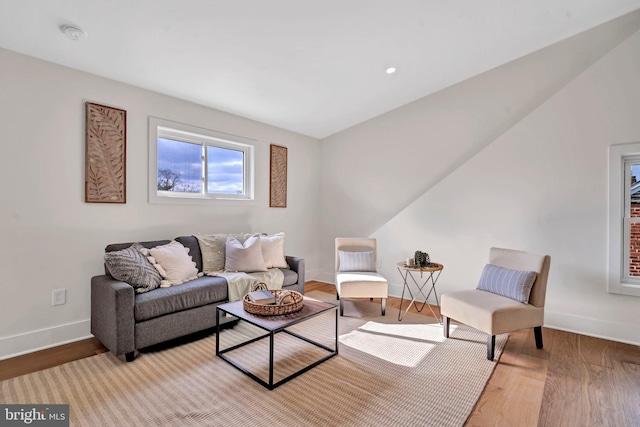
(337,332)
(271,360)
(217,331)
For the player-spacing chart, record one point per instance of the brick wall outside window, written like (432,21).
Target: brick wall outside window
(634,250)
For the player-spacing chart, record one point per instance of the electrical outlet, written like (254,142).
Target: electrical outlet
(59,297)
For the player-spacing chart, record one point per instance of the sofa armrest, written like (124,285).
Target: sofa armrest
(112,314)
(297,265)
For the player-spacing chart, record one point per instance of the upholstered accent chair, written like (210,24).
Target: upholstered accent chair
(356,275)
(502,303)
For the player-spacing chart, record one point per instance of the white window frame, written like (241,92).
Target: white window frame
(179,131)
(620,156)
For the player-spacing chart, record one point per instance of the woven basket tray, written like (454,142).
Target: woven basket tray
(272,309)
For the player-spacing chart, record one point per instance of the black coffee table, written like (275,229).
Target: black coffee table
(273,325)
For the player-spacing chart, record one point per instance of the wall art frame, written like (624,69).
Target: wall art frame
(106,158)
(278,176)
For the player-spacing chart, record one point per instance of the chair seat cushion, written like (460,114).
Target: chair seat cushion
(489,312)
(361,285)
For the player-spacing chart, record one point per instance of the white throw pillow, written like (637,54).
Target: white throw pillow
(174,263)
(245,257)
(273,251)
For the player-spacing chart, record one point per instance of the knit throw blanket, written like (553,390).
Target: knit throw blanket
(240,284)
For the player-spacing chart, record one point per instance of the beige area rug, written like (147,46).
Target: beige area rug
(387,373)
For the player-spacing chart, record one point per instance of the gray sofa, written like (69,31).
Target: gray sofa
(124,321)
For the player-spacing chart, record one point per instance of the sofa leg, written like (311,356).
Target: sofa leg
(130,356)
(341,308)
(537,332)
(384,306)
(491,345)
(445,326)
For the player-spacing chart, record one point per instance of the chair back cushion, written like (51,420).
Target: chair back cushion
(514,284)
(525,261)
(351,244)
(357,261)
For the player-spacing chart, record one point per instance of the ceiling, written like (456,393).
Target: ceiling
(311,66)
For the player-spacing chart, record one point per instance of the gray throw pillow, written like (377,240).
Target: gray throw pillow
(131,266)
(512,284)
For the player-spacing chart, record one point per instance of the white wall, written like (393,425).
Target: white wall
(374,170)
(540,186)
(51,239)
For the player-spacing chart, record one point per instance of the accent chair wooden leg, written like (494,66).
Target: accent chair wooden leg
(537,332)
(130,356)
(384,306)
(491,345)
(445,326)
(341,307)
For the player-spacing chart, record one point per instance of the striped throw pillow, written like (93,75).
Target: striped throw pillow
(357,261)
(512,284)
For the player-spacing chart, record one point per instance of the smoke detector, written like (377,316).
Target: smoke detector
(74,33)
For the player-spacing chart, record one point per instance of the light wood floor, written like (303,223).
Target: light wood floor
(574,380)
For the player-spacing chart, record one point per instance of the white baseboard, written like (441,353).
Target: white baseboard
(29,342)
(621,332)
(321,276)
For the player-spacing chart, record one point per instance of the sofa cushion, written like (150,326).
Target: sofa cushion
(194,293)
(130,266)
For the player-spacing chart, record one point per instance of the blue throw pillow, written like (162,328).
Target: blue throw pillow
(512,284)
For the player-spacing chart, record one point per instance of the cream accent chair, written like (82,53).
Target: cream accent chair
(495,314)
(356,284)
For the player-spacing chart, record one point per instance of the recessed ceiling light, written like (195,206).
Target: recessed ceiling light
(391,70)
(74,33)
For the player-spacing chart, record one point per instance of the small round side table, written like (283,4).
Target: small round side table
(433,273)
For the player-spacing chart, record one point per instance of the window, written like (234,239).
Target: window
(624,219)
(189,164)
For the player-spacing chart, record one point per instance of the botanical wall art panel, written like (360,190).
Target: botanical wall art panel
(278,177)
(106,141)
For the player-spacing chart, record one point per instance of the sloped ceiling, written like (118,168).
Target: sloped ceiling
(313,67)
(406,152)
